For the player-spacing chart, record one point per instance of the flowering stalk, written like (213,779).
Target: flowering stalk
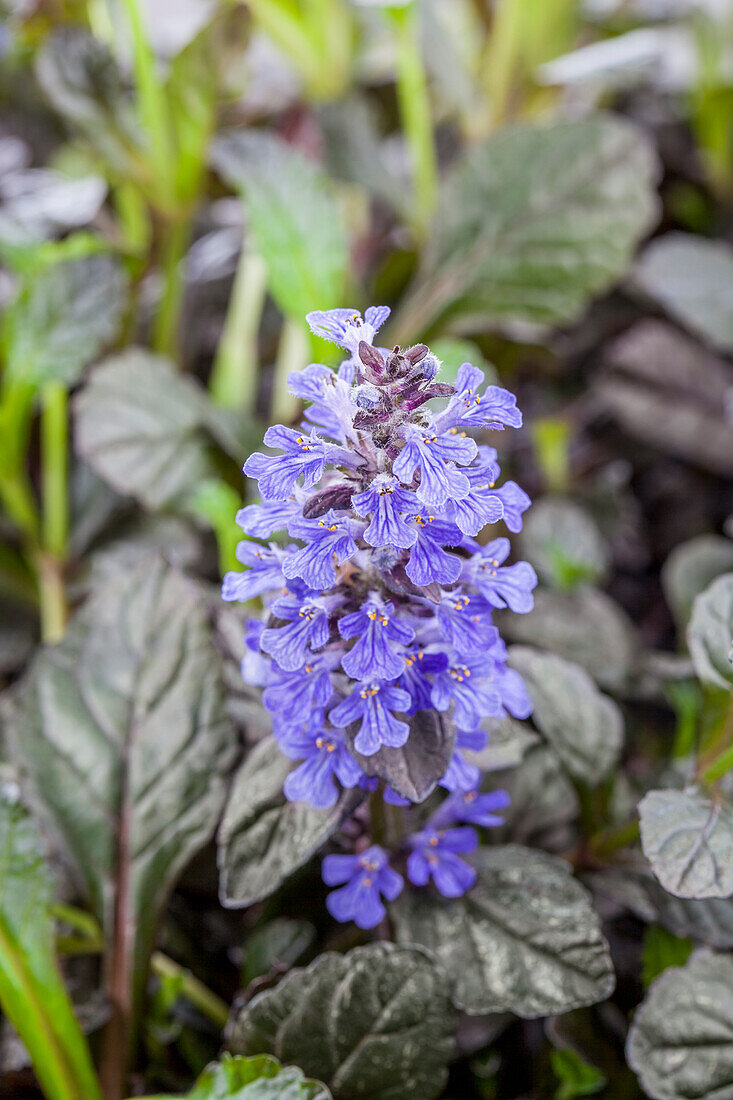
(378,657)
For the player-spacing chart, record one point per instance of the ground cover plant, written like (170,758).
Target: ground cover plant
(366,550)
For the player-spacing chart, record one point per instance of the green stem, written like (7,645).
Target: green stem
(416,116)
(234,377)
(166,329)
(610,840)
(55,510)
(55,468)
(199,995)
(152,105)
(292,354)
(52,597)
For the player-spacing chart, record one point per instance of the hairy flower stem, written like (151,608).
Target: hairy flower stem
(234,377)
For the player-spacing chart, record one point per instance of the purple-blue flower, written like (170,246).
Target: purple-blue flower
(306,630)
(429,561)
(435,457)
(436,854)
(264,572)
(469,683)
(382,605)
(260,520)
(465,621)
(374,704)
(514,502)
(474,808)
(276,475)
(508,586)
(462,775)
(346,327)
(480,505)
(367,878)
(420,664)
(324,758)
(325,538)
(291,693)
(495,408)
(375,627)
(386,501)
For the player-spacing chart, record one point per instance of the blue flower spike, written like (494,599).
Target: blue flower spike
(378,551)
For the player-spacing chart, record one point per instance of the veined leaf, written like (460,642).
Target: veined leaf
(710,633)
(32,992)
(531,225)
(122,731)
(687,836)
(83,83)
(374,1024)
(63,318)
(525,939)
(690,568)
(139,426)
(293,218)
(681,1038)
(264,838)
(584,727)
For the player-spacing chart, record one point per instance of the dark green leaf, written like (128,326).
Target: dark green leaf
(708,921)
(63,318)
(690,568)
(532,224)
(669,393)
(375,1023)
(687,836)
(264,838)
(414,770)
(692,278)
(543,804)
(276,945)
(32,993)
(525,939)
(710,633)
(681,1039)
(584,727)
(138,425)
(585,626)
(260,1078)
(293,217)
(122,732)
(81,79)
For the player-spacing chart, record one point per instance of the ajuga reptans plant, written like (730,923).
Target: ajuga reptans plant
(377,654)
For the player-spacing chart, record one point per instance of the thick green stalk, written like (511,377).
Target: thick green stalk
(55,510)
(416,116)
(167,323)
(292,354)
(152,105)
(55,468)
(234,377)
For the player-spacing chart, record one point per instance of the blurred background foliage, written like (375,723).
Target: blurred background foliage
(180,182)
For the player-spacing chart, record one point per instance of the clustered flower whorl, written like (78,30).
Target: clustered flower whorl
(379,616)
